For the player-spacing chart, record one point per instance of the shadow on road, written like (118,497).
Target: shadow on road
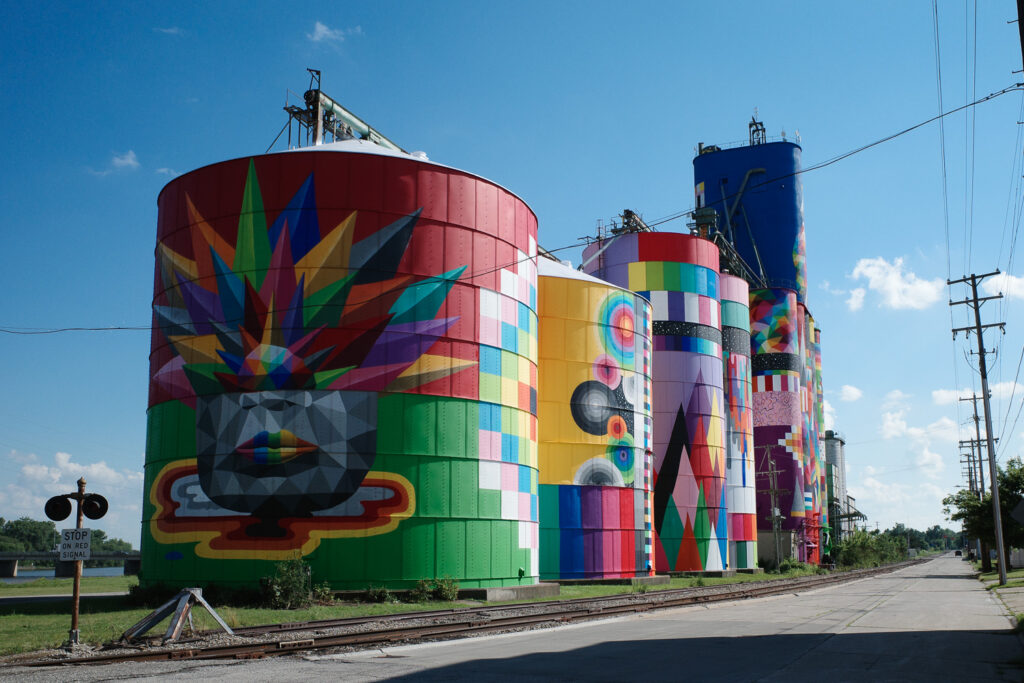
(914,655)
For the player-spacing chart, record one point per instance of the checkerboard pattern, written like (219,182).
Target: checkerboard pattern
(508,395)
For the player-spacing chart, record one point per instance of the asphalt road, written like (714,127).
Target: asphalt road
(932,622)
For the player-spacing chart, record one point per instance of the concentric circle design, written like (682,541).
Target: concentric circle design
(620,452)
(606,371)
(618,326)
(617,428)
(592,405)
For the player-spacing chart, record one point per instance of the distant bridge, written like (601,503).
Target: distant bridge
(9,561)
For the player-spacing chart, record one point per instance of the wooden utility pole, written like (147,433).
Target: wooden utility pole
(976,302)
(773,493)
(977,435)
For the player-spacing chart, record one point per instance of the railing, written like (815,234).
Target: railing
(54,555)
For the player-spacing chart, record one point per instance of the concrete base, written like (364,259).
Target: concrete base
(766,547)
(534,591)
(752,570)
(656,580)
(8,569)
(715,574)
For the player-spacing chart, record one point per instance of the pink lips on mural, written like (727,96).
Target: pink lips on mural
(271,448)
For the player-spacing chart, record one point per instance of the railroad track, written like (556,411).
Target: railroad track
(364,632)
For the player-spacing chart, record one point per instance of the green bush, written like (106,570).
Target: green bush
(863,549)
(446,589)
(379,594)
(322,593)
(291,585)
(421,592)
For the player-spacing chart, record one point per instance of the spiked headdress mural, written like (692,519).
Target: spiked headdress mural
(281,342)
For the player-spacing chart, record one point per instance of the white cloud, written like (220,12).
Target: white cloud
(945,397)
(32,481)
(856,300)
(321,32)
(126,160)
(898,289)
(931,463)
(163,170)
(893,425)
(1009,285)
(849,393)
(170,30)
(895,399)
(829,414)
(998,391)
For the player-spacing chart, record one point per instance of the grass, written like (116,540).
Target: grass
(994,575)
(35,626)
(90,584)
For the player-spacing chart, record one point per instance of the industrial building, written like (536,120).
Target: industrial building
(362,358)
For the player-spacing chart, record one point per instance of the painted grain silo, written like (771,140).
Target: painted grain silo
(741,494)
(343,369)
(812,468)
(679,275)
(778,417)
(594,422)
(757,193)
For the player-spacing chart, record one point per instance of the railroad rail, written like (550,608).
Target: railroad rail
(375,631)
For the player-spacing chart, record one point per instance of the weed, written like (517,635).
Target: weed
(699,581)
(641,588)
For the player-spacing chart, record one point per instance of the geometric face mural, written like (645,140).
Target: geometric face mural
(679,275)
(595,427)
(344,367)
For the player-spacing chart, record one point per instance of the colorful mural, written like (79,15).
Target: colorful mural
(343,368)
(741,502)
(679,275)
(595,427)
(776,364)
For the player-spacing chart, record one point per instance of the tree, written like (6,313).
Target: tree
(37,536)
(976,513)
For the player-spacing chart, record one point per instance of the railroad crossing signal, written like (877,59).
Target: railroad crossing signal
(75,543)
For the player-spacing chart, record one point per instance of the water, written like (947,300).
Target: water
(33,574)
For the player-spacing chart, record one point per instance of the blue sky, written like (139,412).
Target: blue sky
(582,109)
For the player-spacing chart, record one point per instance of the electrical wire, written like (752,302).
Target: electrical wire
(57,330)
(846,155)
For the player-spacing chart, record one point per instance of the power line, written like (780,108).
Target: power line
(858,150)
(57,330)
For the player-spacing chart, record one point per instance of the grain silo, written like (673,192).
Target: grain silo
(343,369)
(679,275)
(594,421)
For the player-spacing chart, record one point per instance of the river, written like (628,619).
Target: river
(33,574)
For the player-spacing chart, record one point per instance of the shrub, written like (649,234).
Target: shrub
(446,589)
(322,593)
(379,594)
(421,592)
(290,586)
